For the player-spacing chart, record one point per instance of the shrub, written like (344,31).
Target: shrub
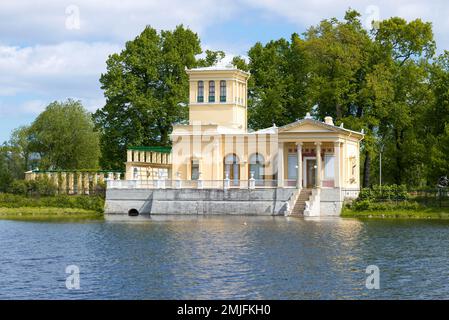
(367,205)
(95,203)
(43,186)
(387,192)
(19,187)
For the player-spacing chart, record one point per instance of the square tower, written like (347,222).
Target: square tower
(218,95)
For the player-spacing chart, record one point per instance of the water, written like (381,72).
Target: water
(224,258)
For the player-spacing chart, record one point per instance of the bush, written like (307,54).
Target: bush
(95,203)
(367,205)
(41,186)
(387,192)
(19,187)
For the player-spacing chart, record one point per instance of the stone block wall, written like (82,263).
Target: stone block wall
(198,201)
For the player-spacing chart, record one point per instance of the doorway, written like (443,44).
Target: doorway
(310,173)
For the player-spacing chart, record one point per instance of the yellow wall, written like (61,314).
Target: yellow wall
(232,113)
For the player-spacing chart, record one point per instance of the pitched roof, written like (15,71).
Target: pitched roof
(320,124)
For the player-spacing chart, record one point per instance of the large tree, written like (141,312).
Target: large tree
(407,48)
(146,90)
(276,88)
(64,137)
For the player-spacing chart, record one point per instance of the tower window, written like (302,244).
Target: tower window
(200,97)
(211,91)
(222,91)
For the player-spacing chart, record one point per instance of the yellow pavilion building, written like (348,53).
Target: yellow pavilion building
(216,150)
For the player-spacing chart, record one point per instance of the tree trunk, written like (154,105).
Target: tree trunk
(366,170)
(338,111)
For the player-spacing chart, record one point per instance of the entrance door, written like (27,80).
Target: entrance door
(310,173)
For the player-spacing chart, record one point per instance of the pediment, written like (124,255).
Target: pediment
(307,126)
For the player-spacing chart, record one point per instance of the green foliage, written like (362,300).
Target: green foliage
(41,186)
(146,90)
(387,192)
(385,198)
(93,203)
(21,187)
(64,137)
(367,205)
(276,88)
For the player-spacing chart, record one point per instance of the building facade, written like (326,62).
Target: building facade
(215,150)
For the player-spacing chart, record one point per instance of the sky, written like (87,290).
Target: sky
(56,49)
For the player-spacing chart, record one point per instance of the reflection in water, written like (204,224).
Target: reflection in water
(225,257)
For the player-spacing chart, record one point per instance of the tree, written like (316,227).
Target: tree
(146,90)
(408,48)
(14,158)
(64,137)
(277,84)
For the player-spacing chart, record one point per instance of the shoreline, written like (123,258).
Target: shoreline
(425,213)
(48,214)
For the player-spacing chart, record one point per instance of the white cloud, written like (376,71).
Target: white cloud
(52,50)
(52,72)
(307,13)
(104,20)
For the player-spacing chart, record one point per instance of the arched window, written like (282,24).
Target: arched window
(232,168)
(256,166)
(200,97)
(222,91)
(135,174)
(211,91)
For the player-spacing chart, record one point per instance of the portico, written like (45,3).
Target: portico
(310,155)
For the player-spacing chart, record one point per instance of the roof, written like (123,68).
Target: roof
(151,148)
(322,124)
(217,68)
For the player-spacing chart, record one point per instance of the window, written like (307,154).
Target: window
(232,169)
(211,91)
(256,166)
(135,174)
(222,91)
(329,167)
(195,171)
(200,97)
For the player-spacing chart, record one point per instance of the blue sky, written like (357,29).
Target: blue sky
(55,49)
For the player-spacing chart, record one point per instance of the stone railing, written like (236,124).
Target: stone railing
(76,182)
(191,184)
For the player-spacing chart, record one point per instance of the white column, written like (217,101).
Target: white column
(280,164)
(318,164)
(299,165)
(337,165)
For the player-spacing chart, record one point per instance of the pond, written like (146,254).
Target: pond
(225,258)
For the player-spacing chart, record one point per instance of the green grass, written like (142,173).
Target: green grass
(48,213)
(424,213)
(58,207)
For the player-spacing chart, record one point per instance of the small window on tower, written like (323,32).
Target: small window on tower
(222,91)
(211,91)
(200,97)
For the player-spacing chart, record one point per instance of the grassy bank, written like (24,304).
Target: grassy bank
(48,213)
(421,213)
(58,207)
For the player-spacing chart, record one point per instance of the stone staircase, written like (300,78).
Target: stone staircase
(300,204)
